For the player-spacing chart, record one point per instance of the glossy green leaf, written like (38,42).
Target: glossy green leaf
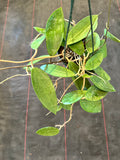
(95,94)
(111,36)
(77,47)
(79,82)
(40,30)
(38,60)
(102,84)
(89,42)
(65,28)
(90,106)
(73,67)
(36,43)
(94,61)
(100,72)
(54,31)
(73,97)
(44,89)
(66,107)
(81,29)
(57,71)
(48,131)
(86,76)
(103,48)
(59,107)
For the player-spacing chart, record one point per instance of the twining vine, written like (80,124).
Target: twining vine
(82,51)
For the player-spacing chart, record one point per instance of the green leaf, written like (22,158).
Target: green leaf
(103,48)
(94,94)
(77,47)
(40,30)
(100,72)
(86,76)
(57,71)
(66,107)
(36,61)
(94,61)
(54,31)
(90,106)
(48,131)
(81,29)
(65,28)
(79,83)
(111,36)
(73,97)
(102,84)
(59,107)
(36,43)
(89,42)
(44,89)
(73,67)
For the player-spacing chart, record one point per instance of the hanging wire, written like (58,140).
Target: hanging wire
(70,19)
(90,13)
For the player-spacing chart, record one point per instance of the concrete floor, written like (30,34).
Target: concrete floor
(85,133)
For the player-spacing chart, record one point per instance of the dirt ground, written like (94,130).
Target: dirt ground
(85,133)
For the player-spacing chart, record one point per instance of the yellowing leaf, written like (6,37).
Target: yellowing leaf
(54,31)
(44,89)
(48,131)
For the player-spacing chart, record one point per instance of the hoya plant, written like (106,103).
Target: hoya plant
(74,59)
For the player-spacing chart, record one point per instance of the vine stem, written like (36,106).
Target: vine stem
(109,8)
(70,117)
(30,65)
(17,75)
(28,60)
(68,88)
